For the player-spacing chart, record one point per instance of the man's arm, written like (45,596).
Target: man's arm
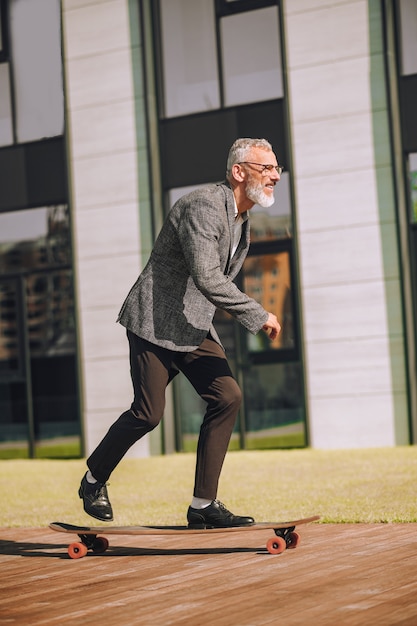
(201,232)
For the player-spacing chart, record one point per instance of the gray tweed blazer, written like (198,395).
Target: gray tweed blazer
(190,272)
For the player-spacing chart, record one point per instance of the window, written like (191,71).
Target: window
(6,123)
(412,172)
(33,239)
(195,46)
(274,399)
(267,279)
(251,74)
(3,37)
(189,56)
(38,390)
(33,82)
(408,38)
(35,39)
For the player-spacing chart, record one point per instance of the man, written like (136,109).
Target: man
(168,316)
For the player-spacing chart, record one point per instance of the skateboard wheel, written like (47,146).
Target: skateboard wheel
(100,544)
(276,545)
(293,540)
(77,550)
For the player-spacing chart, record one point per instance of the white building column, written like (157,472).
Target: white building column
(103,166)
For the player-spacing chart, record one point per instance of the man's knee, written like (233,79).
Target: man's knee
(231,396)
(151,420)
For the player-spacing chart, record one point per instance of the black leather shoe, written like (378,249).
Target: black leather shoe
(96,500)
(215,515)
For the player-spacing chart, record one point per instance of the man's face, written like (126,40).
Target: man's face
(260,182)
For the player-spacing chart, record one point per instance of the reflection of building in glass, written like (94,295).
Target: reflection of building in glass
(273,397)
(49,299)
(268,280)
(265,227)
(8,323)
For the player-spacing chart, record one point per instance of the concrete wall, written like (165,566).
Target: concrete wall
(350,279)
(104,188)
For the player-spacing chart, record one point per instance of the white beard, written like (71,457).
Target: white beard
(255,192)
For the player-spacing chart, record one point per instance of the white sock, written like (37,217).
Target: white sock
(90,478)
(200,503)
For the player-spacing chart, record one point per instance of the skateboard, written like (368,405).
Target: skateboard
(90,537)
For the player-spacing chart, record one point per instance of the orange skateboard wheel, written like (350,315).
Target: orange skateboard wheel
(77,550)
(276,545)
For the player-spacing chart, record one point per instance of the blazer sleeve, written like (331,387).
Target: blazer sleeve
(204,236)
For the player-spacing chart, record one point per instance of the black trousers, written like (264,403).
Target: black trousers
(152,369)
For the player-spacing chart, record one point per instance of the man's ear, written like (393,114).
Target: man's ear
(238,172)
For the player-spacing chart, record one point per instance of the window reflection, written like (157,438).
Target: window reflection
(189,56)
(6,130)
(34,239)
(412,166)
(251,74)
(36,294)
(408,28)
(274,406)
(267,279)
(37,242)
(35,36)
(8,327)
(50,318)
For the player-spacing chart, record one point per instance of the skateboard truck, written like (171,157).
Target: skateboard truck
(287,538)
(79,549)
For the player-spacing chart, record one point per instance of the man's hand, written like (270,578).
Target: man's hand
(272,327)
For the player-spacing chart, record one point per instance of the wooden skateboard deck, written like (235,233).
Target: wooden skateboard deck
(91,537)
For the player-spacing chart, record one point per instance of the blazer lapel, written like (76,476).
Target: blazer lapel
(236,262)
(230,210)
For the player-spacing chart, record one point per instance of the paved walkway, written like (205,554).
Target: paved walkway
(339,575)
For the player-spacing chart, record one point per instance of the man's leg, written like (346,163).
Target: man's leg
(151,371)
(208,371)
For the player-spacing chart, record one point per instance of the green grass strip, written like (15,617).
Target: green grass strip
(373,485)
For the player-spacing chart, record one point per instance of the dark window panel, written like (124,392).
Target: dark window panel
(46,172)
(13,193)
(228,7)
(408,105)
(194,148)
(33,174)
(3,31)
(264,120)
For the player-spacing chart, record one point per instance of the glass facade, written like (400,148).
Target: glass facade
(39,404)
(39,414)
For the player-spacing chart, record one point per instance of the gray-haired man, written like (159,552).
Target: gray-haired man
(168,315)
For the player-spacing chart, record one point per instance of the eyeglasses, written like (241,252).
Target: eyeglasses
(265,168)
